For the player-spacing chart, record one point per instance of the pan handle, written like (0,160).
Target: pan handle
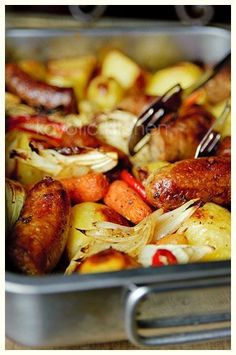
(86,17)
(195,15)
(132,325)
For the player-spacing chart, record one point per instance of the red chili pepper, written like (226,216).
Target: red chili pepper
(170,258)
(135,184)
(36,124)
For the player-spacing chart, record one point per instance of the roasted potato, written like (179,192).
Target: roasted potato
(120,67)
(105,92)
(141,172)
(11,99)
(176,238)
(71,72)
(34,68)
(25,174)
(107,260)
(210,225)
(184,73)
(83,217)
(14,107)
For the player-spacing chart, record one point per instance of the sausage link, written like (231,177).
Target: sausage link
(177,137)
(37,93)
(40,234)
(205,178)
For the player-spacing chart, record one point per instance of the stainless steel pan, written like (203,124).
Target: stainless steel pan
(150,307)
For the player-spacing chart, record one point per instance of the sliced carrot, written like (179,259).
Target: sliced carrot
(124,200)
(91,187)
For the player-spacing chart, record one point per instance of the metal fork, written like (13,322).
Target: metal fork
(169,102)
(211,139)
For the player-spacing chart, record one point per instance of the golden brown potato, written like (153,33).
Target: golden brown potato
(83,217)
(142,171)
(183,73)
(71,72)
(120,67)
(105,92)
(176,238)
(34,68)
(210,225)
(107,260)
(25,174)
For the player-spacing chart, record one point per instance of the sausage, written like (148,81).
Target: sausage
(224,148)
(40,234)
(219,87)
(205,178)
(136,103)
(37,93)
(177,137)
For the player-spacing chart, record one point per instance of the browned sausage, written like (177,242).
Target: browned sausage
(40,234)
(136,103)
(224,148)
(37,93)
(177,137)
(219,87)
(205,178)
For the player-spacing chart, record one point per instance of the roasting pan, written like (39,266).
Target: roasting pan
(149,306)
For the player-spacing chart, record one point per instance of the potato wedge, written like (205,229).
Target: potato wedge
(120,67)
(105,92)
(210,225)
(184,73)
(175,238)
(106,261)
(142,171)
(83,217)
(23,173)
(71,72)
(34,68)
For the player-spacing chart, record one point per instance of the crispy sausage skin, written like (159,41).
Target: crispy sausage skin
(37,93)
(224,148)
(177,137)
(205,178)
(219,87)
(40,234)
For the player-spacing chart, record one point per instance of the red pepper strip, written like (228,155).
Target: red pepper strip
(36,124)
(171,259)
(133,183)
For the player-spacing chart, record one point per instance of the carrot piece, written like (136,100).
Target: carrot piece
(91,187)
(193,98)
(124,200)
(134,184)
